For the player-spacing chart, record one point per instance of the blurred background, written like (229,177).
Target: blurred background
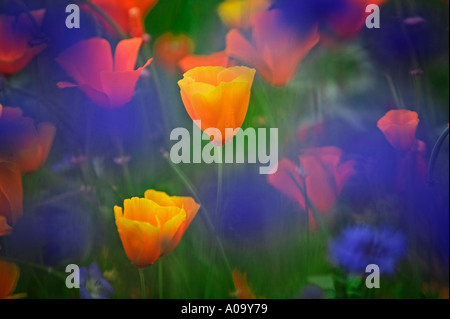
(388,210)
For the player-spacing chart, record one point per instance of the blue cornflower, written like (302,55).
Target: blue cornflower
(93,285)
(359,246)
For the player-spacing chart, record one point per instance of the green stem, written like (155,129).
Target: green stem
(308,231)
(394,91)
(154,76)
(47,270)
(182,270)
(160,279)
(308,202)
(219,184)
(216,216)
(263,102)
(188,184)
(434,154)
(125,167)
(142,280)
(160,97)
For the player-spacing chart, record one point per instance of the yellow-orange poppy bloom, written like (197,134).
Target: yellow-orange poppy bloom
(108,81)
(215,59)
(16,34)
(218,97)
(152,226)
(170,49)
(275,51)
(11,195)
(21,142)
(399,127)
(128,14)
(9,276)
(237,13)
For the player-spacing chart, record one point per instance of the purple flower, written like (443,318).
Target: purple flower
(93,285)
(413,20)
(360,246)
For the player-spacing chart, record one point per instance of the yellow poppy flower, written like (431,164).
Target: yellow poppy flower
(153,226)
(218,97)
(238,13)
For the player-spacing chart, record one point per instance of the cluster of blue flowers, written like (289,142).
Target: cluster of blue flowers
(359,246)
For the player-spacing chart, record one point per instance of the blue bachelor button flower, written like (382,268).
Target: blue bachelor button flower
(93,285)
(360,246)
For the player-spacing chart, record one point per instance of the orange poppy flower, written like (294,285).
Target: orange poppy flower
(108,81)
(243,290)
(16,34)
(238,13)
(399,127)
(9,276)
(322,171)
(170,49)
(151,227)
(275,51)
(216,59)
(128,14)
(11,195)
(218,97)
(21,142)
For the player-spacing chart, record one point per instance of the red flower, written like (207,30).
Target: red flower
(399,127)
(21,143)
(11,195)
(275,51)
(322,171)
(16,34)
(108,81)
(216,59)
(170,49)
(128,14)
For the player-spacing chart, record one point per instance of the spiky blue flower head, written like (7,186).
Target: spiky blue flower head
(359,246)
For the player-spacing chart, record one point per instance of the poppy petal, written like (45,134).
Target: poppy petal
(9,276)
(126,54)
(240,48)
(11,188)
(86,60)
(141,241)
(192,61)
